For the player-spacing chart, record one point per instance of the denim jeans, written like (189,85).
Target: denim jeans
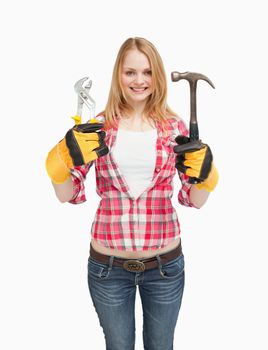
(113,292)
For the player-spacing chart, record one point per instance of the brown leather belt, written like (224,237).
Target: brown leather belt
(136,265)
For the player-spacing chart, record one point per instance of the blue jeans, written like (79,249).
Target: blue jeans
(113,292)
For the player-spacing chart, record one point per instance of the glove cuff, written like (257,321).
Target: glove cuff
(211,182)
(56,167)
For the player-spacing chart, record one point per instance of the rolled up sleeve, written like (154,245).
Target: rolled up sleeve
(78,175)
(184,193)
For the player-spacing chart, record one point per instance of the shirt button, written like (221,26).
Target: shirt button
(157,170)
(159,152)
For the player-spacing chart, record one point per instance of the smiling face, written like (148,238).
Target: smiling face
(136,77)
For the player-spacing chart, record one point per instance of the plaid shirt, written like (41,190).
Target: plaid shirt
(148,222)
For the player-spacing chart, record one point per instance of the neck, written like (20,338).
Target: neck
(138,110)
(136,122)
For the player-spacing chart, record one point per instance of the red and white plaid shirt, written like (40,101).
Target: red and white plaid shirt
(148,222)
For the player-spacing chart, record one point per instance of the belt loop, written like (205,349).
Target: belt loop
(159,262)
(111,260)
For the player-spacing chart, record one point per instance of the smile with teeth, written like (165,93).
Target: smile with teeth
(138,89)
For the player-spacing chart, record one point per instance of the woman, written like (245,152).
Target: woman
(136,232)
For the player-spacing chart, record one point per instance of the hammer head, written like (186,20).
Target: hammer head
(192,77)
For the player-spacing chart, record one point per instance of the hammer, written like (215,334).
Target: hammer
(192,79)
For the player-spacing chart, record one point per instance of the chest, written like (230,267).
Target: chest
(135,151)
(109,175)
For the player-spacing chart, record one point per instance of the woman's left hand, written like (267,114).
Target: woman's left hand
(195,159)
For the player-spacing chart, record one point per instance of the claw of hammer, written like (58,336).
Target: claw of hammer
(190,76)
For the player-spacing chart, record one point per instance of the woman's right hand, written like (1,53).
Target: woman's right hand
(81,145)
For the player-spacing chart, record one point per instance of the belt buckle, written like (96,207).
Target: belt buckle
(134,266)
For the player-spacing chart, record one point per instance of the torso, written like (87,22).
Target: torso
(134,125)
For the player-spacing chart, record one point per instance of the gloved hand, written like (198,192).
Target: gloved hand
(195,159)
(81,145)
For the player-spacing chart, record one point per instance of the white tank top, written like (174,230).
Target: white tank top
(135,155)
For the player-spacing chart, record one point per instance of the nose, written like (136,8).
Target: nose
(139,79)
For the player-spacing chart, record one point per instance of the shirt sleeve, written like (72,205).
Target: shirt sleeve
(184,192)
(78,175)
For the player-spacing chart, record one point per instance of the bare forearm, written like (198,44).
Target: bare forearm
(198,197)
(64,191)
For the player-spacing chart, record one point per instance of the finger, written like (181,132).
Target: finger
(101,135)
(181,140)
(84,137)
(188,147)
(100,151)
(181,167)
(199,162)
(199,154)
(207,164)
(88,127)
(193,167)
(192,172)
(89,136)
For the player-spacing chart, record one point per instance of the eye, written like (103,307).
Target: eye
(148,72)
(130,73)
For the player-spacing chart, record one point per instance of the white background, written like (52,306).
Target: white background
(46,47)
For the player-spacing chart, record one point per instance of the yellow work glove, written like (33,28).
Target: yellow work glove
(81,145)
(195,159)
(211,181)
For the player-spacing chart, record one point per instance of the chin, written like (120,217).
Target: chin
(139,98)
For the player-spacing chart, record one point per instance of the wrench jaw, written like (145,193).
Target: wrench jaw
(82,88)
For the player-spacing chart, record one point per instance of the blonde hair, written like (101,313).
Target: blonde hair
(156,106)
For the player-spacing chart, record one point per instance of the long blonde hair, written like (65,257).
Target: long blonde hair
(156,106)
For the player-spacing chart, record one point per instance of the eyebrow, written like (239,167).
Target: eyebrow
(135,69)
